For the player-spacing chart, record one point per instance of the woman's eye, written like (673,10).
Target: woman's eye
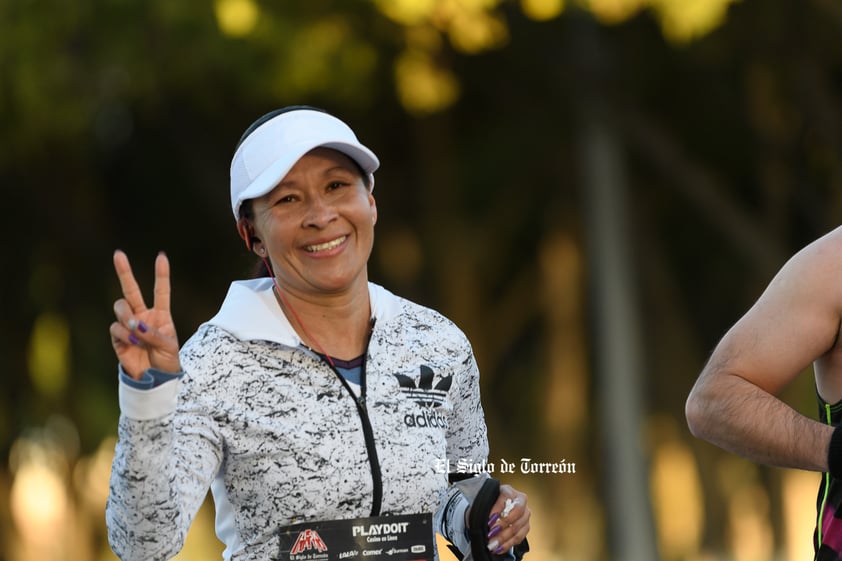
(285,199)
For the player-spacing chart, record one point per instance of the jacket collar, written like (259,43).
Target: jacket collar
(251,312)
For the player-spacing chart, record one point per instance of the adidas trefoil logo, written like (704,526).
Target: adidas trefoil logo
(427,396)
(424,393)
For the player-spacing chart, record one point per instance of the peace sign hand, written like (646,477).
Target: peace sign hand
(144,337)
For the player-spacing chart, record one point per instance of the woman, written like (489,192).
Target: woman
(313,396)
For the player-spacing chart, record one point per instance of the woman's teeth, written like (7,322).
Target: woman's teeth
(325,246)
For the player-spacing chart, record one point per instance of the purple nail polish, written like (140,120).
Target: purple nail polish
(493,518)
(494,531)
(133,339)
(142,327)
(499,551)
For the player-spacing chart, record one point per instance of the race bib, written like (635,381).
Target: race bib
(406,537)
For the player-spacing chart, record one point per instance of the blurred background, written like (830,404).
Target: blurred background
(593,190)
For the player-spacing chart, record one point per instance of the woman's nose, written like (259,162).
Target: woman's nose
(319,212)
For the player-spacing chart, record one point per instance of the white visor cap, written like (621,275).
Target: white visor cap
(269,152)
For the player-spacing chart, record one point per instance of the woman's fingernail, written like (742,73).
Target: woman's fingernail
(133,339)
(493,518)
(494,531)
(492,545)
(131,324)
(142,327)
(498,551)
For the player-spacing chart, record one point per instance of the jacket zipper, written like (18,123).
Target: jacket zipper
(368,432)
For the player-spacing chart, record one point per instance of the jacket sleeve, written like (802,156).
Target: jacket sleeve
(449,520)
(467,436)
(467,440)
(168,452)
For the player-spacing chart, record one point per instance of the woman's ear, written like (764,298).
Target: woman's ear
(373,205)
(246,231)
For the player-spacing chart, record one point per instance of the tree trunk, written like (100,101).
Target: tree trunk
(616,323)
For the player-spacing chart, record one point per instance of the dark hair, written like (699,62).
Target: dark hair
(259,270)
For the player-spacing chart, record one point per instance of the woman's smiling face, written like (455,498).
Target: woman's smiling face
(317,225)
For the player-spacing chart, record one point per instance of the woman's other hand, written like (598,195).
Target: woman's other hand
(509,521)
(144,337)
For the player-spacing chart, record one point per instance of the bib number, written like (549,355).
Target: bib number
(406,537)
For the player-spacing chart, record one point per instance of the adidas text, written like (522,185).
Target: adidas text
(426,419)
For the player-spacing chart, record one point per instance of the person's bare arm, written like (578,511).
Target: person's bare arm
(794,323)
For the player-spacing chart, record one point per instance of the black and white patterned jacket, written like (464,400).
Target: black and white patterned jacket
(279,438)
